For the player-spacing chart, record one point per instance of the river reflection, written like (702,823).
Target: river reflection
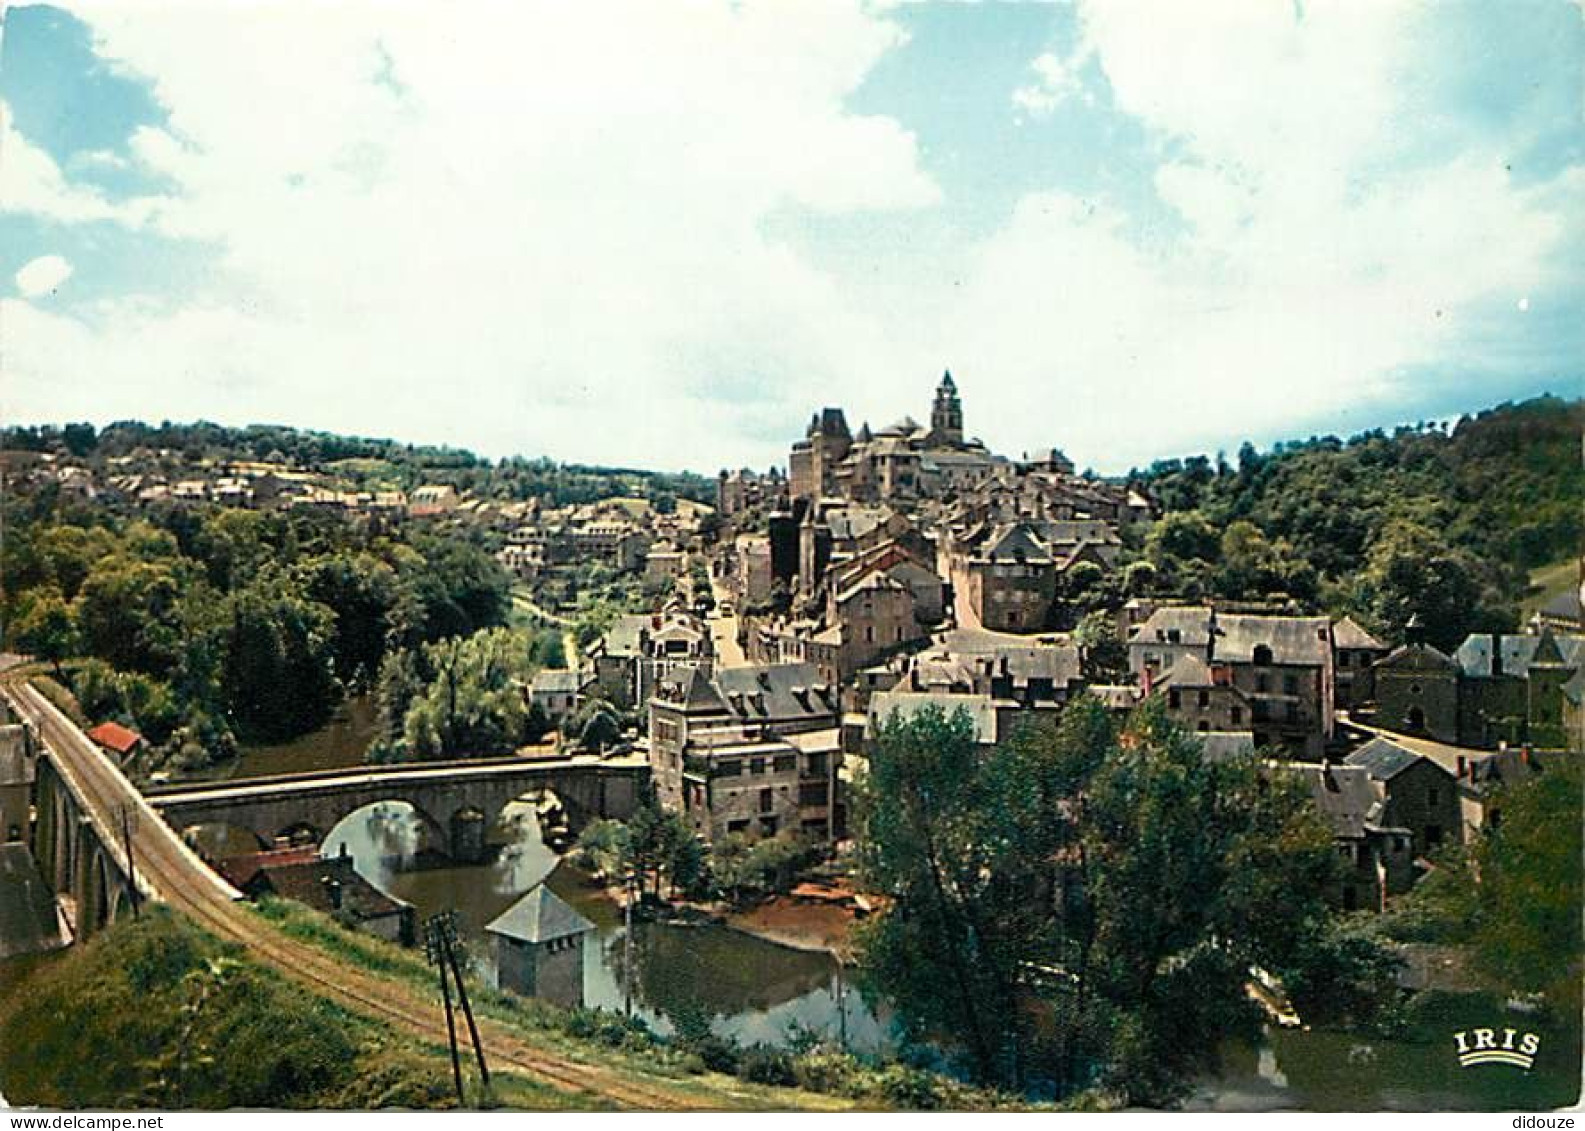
(747,988)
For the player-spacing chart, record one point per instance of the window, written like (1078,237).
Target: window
(1290,685)
(1204,726)
(1262,682)
(767,800)
(737,826)
(1342,659)
(785,763)
(812,793)
(756,765)
(1205,699)
(1238,716)
(1291,712)
(817,764)
(729,767)
(1174,700)
(1262,654)
(1431,797)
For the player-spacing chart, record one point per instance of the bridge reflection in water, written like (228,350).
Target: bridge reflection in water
(747,988)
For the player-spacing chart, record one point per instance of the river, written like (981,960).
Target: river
(747,988)
(758,991)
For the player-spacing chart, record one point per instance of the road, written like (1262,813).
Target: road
(171,872)
(723,630)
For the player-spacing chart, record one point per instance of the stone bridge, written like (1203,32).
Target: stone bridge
(458,802)
(80,849)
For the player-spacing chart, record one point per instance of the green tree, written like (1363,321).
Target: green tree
(46,628)
(1083,906)
(1524,880)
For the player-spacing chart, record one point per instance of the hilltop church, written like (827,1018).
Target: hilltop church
(903,461)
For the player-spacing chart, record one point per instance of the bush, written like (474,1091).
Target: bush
(762,1064)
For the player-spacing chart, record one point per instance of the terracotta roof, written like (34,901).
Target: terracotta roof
(116,737)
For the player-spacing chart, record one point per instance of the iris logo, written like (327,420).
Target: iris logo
(1496,1046)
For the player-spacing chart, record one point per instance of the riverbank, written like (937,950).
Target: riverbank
(799,925)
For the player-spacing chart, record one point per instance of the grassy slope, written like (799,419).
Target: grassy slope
(1549,582)
(155,1013)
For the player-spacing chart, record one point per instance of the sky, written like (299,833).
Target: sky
(663,235)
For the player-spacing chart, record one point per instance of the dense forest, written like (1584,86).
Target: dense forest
(1443,522)
(200,627)
(364,462)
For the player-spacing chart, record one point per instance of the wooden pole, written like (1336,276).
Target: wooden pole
(451,1034)
(467,1011)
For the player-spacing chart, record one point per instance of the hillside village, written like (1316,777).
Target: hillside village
(759,643)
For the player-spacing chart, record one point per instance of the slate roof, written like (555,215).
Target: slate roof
(1016,543)
(539,917)
(775,691)
(1418,657)
(305,883)
(1383,759)
(1516,652)
(874,580)
(1347,633)
(1346,797)
(1292,640)
(552,680)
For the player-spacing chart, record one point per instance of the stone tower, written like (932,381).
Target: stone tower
(946,415)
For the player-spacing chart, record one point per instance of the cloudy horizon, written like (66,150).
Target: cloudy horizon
(663,235)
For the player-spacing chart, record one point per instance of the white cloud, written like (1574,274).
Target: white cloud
(42,275)
(541,230)
(1319,264)
(1056,80)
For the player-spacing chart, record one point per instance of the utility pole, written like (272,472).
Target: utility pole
(128,822)
(450,940)
(435,949)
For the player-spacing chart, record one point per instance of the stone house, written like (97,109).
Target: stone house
(327,884)
(1521,689)
(733,751)
(663,563)
(539,943)
(1202,697)
(640,650)
(1011,581)
(1281,664)
(1354,654)
(1420,795)
(555,691)
(1378,856)
(1417,690)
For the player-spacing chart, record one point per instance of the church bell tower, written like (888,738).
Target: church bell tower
(946,415)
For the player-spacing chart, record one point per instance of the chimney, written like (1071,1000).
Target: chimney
(1462,767)
(332,891)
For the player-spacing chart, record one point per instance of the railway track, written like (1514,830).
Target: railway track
(172,873)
